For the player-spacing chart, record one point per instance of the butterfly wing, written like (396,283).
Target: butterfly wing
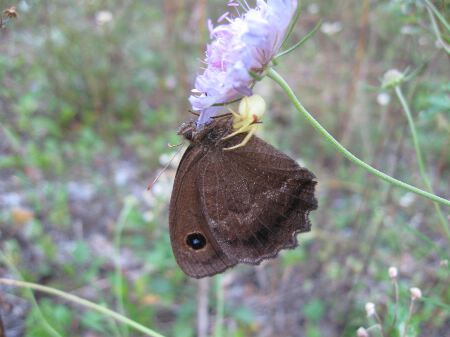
(255,199)
(195,249)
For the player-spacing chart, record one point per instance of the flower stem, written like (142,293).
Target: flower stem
(47,326)
(438,14)
(419,157)
(220,307)
(408,320)
(437,32)
(328,137)
(83,302)
(298,44)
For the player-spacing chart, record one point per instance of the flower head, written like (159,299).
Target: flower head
(393,272)
(244,45)
(392,78)
(370,309)
(361,332)
(416,293)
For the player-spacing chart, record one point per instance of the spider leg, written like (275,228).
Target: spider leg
(242,129)
(245,140)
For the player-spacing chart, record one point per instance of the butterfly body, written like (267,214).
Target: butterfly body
(238,206)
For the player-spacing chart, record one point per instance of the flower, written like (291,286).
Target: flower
(392,78)
(361,332)
(103,17)
(370,309)
(416,293)
(245,44)
(393,272)
(383,99)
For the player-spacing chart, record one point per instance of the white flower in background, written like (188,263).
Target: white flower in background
(361,332)
(393,272)
(392,78)
(370,309)
(383,99)
(331,28)
(416,293)
(103,17)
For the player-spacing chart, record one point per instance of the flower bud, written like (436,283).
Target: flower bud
(416,293)
(361,332)
(393,272)
(392,78)
(370,309)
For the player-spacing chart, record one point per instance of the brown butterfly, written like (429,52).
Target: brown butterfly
(243,205)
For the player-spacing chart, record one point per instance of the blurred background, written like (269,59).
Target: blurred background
(91,94)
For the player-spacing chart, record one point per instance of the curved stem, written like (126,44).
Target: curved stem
(83,302)
(419,157)
(283,84)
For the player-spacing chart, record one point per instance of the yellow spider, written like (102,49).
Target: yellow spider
(251,110)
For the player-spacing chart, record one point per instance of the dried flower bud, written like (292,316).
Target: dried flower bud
(10,12)
(370,309)
(416,293)
(392,78)
(361,332)
(393,272)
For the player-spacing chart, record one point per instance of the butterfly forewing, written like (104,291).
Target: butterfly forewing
(188,224)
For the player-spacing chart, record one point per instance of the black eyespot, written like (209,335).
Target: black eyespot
(196,241)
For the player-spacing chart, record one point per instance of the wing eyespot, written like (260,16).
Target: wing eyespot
(196,241)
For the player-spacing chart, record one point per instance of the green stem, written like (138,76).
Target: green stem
(298,44)
(220,307)
(437,32)
(438,14)
(328,137)
(82,302)
(118,282)
(50,329)
(419,157)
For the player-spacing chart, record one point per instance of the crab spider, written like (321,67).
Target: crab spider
(251,110)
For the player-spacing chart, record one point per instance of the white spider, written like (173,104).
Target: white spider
(251,110)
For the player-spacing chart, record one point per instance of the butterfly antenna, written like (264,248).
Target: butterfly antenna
(227,114)
(194,113)
(149,187)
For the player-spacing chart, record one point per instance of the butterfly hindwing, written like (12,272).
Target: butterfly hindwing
(255,200)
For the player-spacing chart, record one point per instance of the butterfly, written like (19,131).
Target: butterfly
(238,206)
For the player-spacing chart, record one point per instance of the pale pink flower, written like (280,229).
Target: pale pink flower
(244,44)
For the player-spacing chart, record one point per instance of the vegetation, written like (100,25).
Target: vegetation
(91,94)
